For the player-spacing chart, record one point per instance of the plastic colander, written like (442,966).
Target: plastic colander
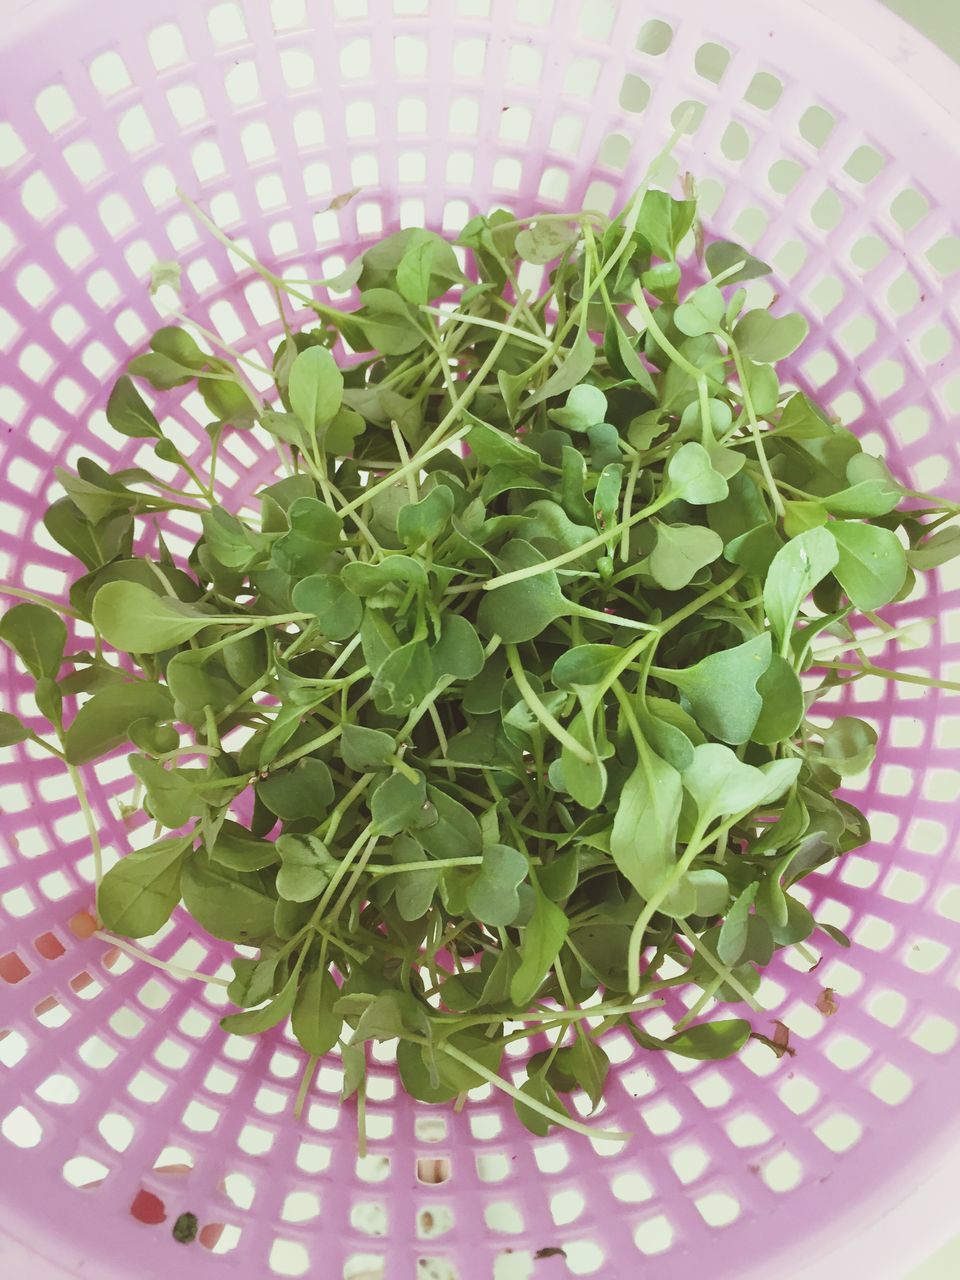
(822,138)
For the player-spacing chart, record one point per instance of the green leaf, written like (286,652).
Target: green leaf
(354,1060)
(682,550)
(732,941)
(542,242)
(137,896)
(305,790)
(196,681)
(767,338)
(94,544)
(133,618)
(794,572)
(403,679)
(521,610)
(413,273)
(254,980)
(389,322)
(589,1066)
(691,476)
(233,544)
(663,222)
(720,784)
(492,447)
(390,1015)
(619,349)
(783,704)
(254,1021)
(584,780)
(940,548)
(413,890)
(585,665)
(541,940)
(755,550)
(492,896)
(12,730)
(705,1042)
(606,496)
(722,689)
(871,497)
(701,313)
(398,803)
(172,798)
(421,522)
(764,387)
(336,608)
(37,635)
(644,838)
(396,571)
(240,850)
(161,371)
(364,750)
(456,832)
(849,746)
(558,878)
(577,363)
(315,388)
(315,1024)
(871,564)
(671,731)
(177,345)
(721,255)
(458,652)
(104,722)
(585,407)
(128,412)
(314,533)
(306,867)
(540,1090)
(233,905)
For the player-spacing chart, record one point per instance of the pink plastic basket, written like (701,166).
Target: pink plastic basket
(823,140)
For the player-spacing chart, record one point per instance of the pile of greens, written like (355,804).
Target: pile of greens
(490,719)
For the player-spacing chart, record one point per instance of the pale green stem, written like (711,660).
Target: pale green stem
(413,490)
(435,443)
(309,1068)
(719,968)
(522,335)
(592,544)
(175,970)
(433,864)
(653,903)
(628,493)
(611,1135)
(902,676)
(90,822)
(755,429)
(34,597)
(546,718)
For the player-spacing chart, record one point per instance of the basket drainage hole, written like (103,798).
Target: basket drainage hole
(12,968)
(85,1172)
(432,1169)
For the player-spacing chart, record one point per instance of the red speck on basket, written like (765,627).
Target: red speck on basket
(148,1208)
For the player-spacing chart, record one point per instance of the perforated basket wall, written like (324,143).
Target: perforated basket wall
(820,142)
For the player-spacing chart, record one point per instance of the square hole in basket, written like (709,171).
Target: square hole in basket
(187,104)
(839,1132)
(798,1093)
(891,1085)
(55,108)
(764,91)
(654,1236)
